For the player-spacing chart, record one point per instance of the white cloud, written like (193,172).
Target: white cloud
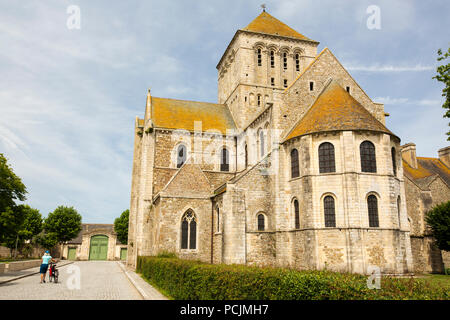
(387,68)
(401,101)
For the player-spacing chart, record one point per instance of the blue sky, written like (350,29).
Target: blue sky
(69,97)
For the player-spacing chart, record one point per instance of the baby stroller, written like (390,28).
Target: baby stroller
(53,273)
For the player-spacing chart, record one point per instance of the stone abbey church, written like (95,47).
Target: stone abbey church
(294,166)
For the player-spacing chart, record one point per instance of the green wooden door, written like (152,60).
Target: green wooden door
(72,254)
(123,253)
(99,248)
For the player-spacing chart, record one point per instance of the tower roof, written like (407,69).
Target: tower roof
(335,109)
(265,23)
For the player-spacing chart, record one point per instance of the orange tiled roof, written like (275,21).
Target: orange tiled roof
(181,114)
(427,167)
(265,23)
(335,109)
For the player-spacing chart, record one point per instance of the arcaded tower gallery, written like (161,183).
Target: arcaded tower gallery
(293,166)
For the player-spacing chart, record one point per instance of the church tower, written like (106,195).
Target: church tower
(263,58)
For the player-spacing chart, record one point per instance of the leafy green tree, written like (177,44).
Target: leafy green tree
(11,221)
(443,75)
(46,240)
(11,190)
(32,224)
(20,223)
(121,226)
(64,223)
(11,186)
(438,219)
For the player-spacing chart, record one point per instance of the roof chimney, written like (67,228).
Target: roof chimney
(409,154)
(444,155)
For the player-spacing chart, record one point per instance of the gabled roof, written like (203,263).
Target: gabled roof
(265,23)
(189,181)
(335,109)
(181,114)
(427,170)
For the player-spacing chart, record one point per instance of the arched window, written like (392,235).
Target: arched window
(372,205)
(284,60)
(368,160)
(398,211)
(261,142)
(189,230)
(224,160)
(394,163)
(260,222)
(326,158)
(259,57)
(297,214)
(294,164)
(329,210)
(181,155)
(272,59)
(297,62)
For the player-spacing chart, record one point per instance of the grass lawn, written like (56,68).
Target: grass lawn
(436,280)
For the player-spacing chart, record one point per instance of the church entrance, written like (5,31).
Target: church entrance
(99,248)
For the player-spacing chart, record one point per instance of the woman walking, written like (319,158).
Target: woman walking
(44,264)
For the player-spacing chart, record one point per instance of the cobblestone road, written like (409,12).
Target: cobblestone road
(99,280)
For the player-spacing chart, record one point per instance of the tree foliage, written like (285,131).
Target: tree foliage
(438,219)
(121,226)
(11,186)
(46,240)
(443,75)
(64,223)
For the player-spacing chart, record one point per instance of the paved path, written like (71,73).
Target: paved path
(98,280)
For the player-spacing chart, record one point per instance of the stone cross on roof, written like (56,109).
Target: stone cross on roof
(263,6)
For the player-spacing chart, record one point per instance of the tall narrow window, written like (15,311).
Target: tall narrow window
(297,62)
(368,160)
(189,230)
(297,214)
(294,164)
(261,143)
(394,162)
(398,211)
(224,160)
(326,158)
(272,59)
(218,219)
(372,205)
(348,89)
(311,86)
(272,81)
(260,222)
(246,156)
(284,60)
(259,58)
(330,216)
(285,83)
(181,155)
(259,100)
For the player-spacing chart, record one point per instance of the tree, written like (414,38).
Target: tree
(46,240)
(11,221)
(11,186)
(64,223)
(438,219)
(20,223)
(121,226)
(11,189)
(32,224)
(444,77)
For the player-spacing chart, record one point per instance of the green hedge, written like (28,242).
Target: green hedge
(192,280)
